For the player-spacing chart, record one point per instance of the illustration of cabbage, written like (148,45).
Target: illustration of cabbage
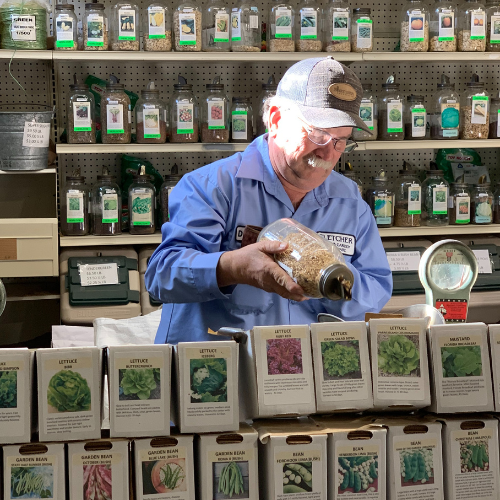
(419,121)
(365,113)
(68,391)
(394,115)
(450,118)
(141,205)
(483,209)
(383,207)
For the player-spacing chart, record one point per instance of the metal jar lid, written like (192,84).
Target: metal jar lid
(115,86)
(336,282)
(459,185)
(415,98)
(240,99)
(65,6)
(106,178)
(94,6)
(151,94)
(173,178)
(407,172)
(75,178)
(79,87)
(367,86)
(362,11)
(438,173)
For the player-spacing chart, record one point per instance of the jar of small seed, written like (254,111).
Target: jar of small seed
(390,112)
(241,120)
(245,27)
(415,118)
(408,199)
(215,113)
(116,114)
(308,35)
(165,190)
(482,204)
(414,26)
(187,26)
(184,112)
(75,206)
(494,132)
(125,24)
(95,27)
(496,204)
(368,112)
(459,204)
(361,30)
(141,203)
(338,24)
(493,26)
(281,21)
(471,27)
(268,91)
(106,206)
(350,173)
(215,19)
(443,19)
(435,196)
(65,28)
(380,198)
(80,115)
(157,27)
(475,110)
(151,117)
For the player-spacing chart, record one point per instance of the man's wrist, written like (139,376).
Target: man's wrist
(224,270)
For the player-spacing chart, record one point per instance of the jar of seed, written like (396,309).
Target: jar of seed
(241,120)
(496,204)
(106,206)
(313,262)
(415,117)
(414,26)
(350,173)
(75,206)
(408,199)
(435,196)
(475,110)
(215,113)
(80,114)
(390,112)
(125,26)
(442,27)
(245,27)
(268,91)
(65,24)
(215,19)
(183,113)
(368,112)
(141,203)
(361,30)
(281,21)
(471,26)
(95,27)
(151,117)
(308,35)
(187,26)
(116,113)
(494,132)
(338,24)
(445,111)
(459,204)
(380,198)
(165,190)
(482,204)
(493,26)
(157,27)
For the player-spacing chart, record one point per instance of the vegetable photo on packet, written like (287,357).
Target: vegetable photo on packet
(358,474)
(297,477)
(68,391)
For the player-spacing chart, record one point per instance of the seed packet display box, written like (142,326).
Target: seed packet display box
(272,385)
(139,390)
(16,378)
(101,466)
(69,393)
(292,459)
(34,471)
(205,386)
(228,464)
(341,366)
(494,338)
(470,453)
(399,382)
(157,458)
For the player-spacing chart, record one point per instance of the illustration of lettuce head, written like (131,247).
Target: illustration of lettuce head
(68,391)
(394,115)
(8,389)
(398,355)
(139,382)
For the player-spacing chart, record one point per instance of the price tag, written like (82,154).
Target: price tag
(483,261)
(98,274)
(403,261)
(36,135)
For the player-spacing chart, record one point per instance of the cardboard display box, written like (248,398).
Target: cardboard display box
(275,383)
(205,386)
(341,366)
(69,393)
(399,381)
(34,471)
(461,369)
(227,465)
(494,338)
(158,458)
(139,390)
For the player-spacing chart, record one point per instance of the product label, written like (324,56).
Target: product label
(498,123)
(416,26)
(403,261)
(364,33)
(283,23)
(340,28)
(109,208)
(366,113)
(81,117)
(495,28)
(239,124)
(187,29)
(95,30)
(126,29)
(114,121)
(418,122)
(64,31)
(141,211)
(484,209)
(74,207)
(235,27)
(479,109)
(156,16)
(185,118)
(216,114)
(477,24)
(450,118)
(453,310)
(440,200)
(383,209)
(254,22)
(446,26)
(13,373)
(23,28)
(151,122)
(495,356)
(483,261)
(221,31)
(308,24)
(36,135)
(394,116)
(98,274)
(414,199)
(462,209)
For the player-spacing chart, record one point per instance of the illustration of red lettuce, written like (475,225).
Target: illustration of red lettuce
(284,356)
(97,482)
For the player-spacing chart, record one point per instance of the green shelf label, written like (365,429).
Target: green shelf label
(446,38)
(74,221)
(414,212)
(193,42)
(95,44)
(141,223)
(65,43)
(394,130)
(152,136)
(339,38)
(152,37)
(127,38)
(235,39)
(477,37)
(417,40)
(441,212)
(82,129)
(466,221)
(217,127)
(226,40)
(109,221)
(116,131)
(283,36)
(185,131)
(308,37)
(239,112)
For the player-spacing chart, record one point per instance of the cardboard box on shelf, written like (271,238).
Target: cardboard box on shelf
(494,338)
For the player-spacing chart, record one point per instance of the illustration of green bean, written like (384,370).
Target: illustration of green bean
(231,480)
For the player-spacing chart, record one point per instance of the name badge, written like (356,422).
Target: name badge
(346,243)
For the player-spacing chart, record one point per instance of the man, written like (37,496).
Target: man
(201,273)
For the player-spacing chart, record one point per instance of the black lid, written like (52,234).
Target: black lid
(362,11)
(175,178)
(482,185)
(271,84)
(434,172)
(106,178)
(240,99)
(96,6)
(474,81)
(78,86)
(408,172)
(366,86)
(115,86)
(215,85)
(445,82)
(394,86)
(415,98)
(182,84)
(65,6)
(495,99)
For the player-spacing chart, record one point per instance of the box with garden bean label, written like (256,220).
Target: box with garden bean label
(341,366)
(69,393)
(164,468)
(400,369)
(470,453)
(494,338)
(277,364)
(461,368)
(16,392)
(139,390)
(227,465)
(205,386)
(99,469)
(292,459)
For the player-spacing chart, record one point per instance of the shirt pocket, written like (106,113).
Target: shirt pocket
(246,299)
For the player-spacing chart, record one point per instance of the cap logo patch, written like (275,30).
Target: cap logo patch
(342,91)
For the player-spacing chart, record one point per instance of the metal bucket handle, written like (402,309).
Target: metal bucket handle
(3,297)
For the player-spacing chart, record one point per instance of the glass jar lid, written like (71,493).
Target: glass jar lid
(150,94)
(241,100)
(65,6)
(362,11)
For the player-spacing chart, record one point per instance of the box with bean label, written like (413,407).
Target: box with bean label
(494,338)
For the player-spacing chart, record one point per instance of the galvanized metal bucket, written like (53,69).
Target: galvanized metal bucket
(13,155)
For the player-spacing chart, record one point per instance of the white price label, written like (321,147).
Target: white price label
(403,261)
(98,274)
(36,135)
(483,261)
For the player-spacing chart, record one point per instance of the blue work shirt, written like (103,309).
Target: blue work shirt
(209,208)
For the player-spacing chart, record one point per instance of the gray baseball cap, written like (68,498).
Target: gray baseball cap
(327,93)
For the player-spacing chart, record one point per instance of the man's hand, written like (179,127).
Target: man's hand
(254,265)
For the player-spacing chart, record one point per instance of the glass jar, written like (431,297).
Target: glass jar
(482,204)
(415,117)
(141,203)
(494,132)
(493,26)
(245,27)
(445,111)
(215,20)
(157,27)
(313,262)
(435,196)
(338,23)
(496,204)
(442,27)
(471,27)
(115,115)
(241,120)
(66,26)
(361,30)
(165,190)
(390,113)
(80,115)
(281,21)
(408,199)
(75,206)
(125,26)
(268,91)
(350,173)
(95,27)
(151,117)
(187,26)
(183,113)
(368,112)
(380,199)
(459,206)
(215,114)
(106,206)
(475,112)
(308,21)
(414,26)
